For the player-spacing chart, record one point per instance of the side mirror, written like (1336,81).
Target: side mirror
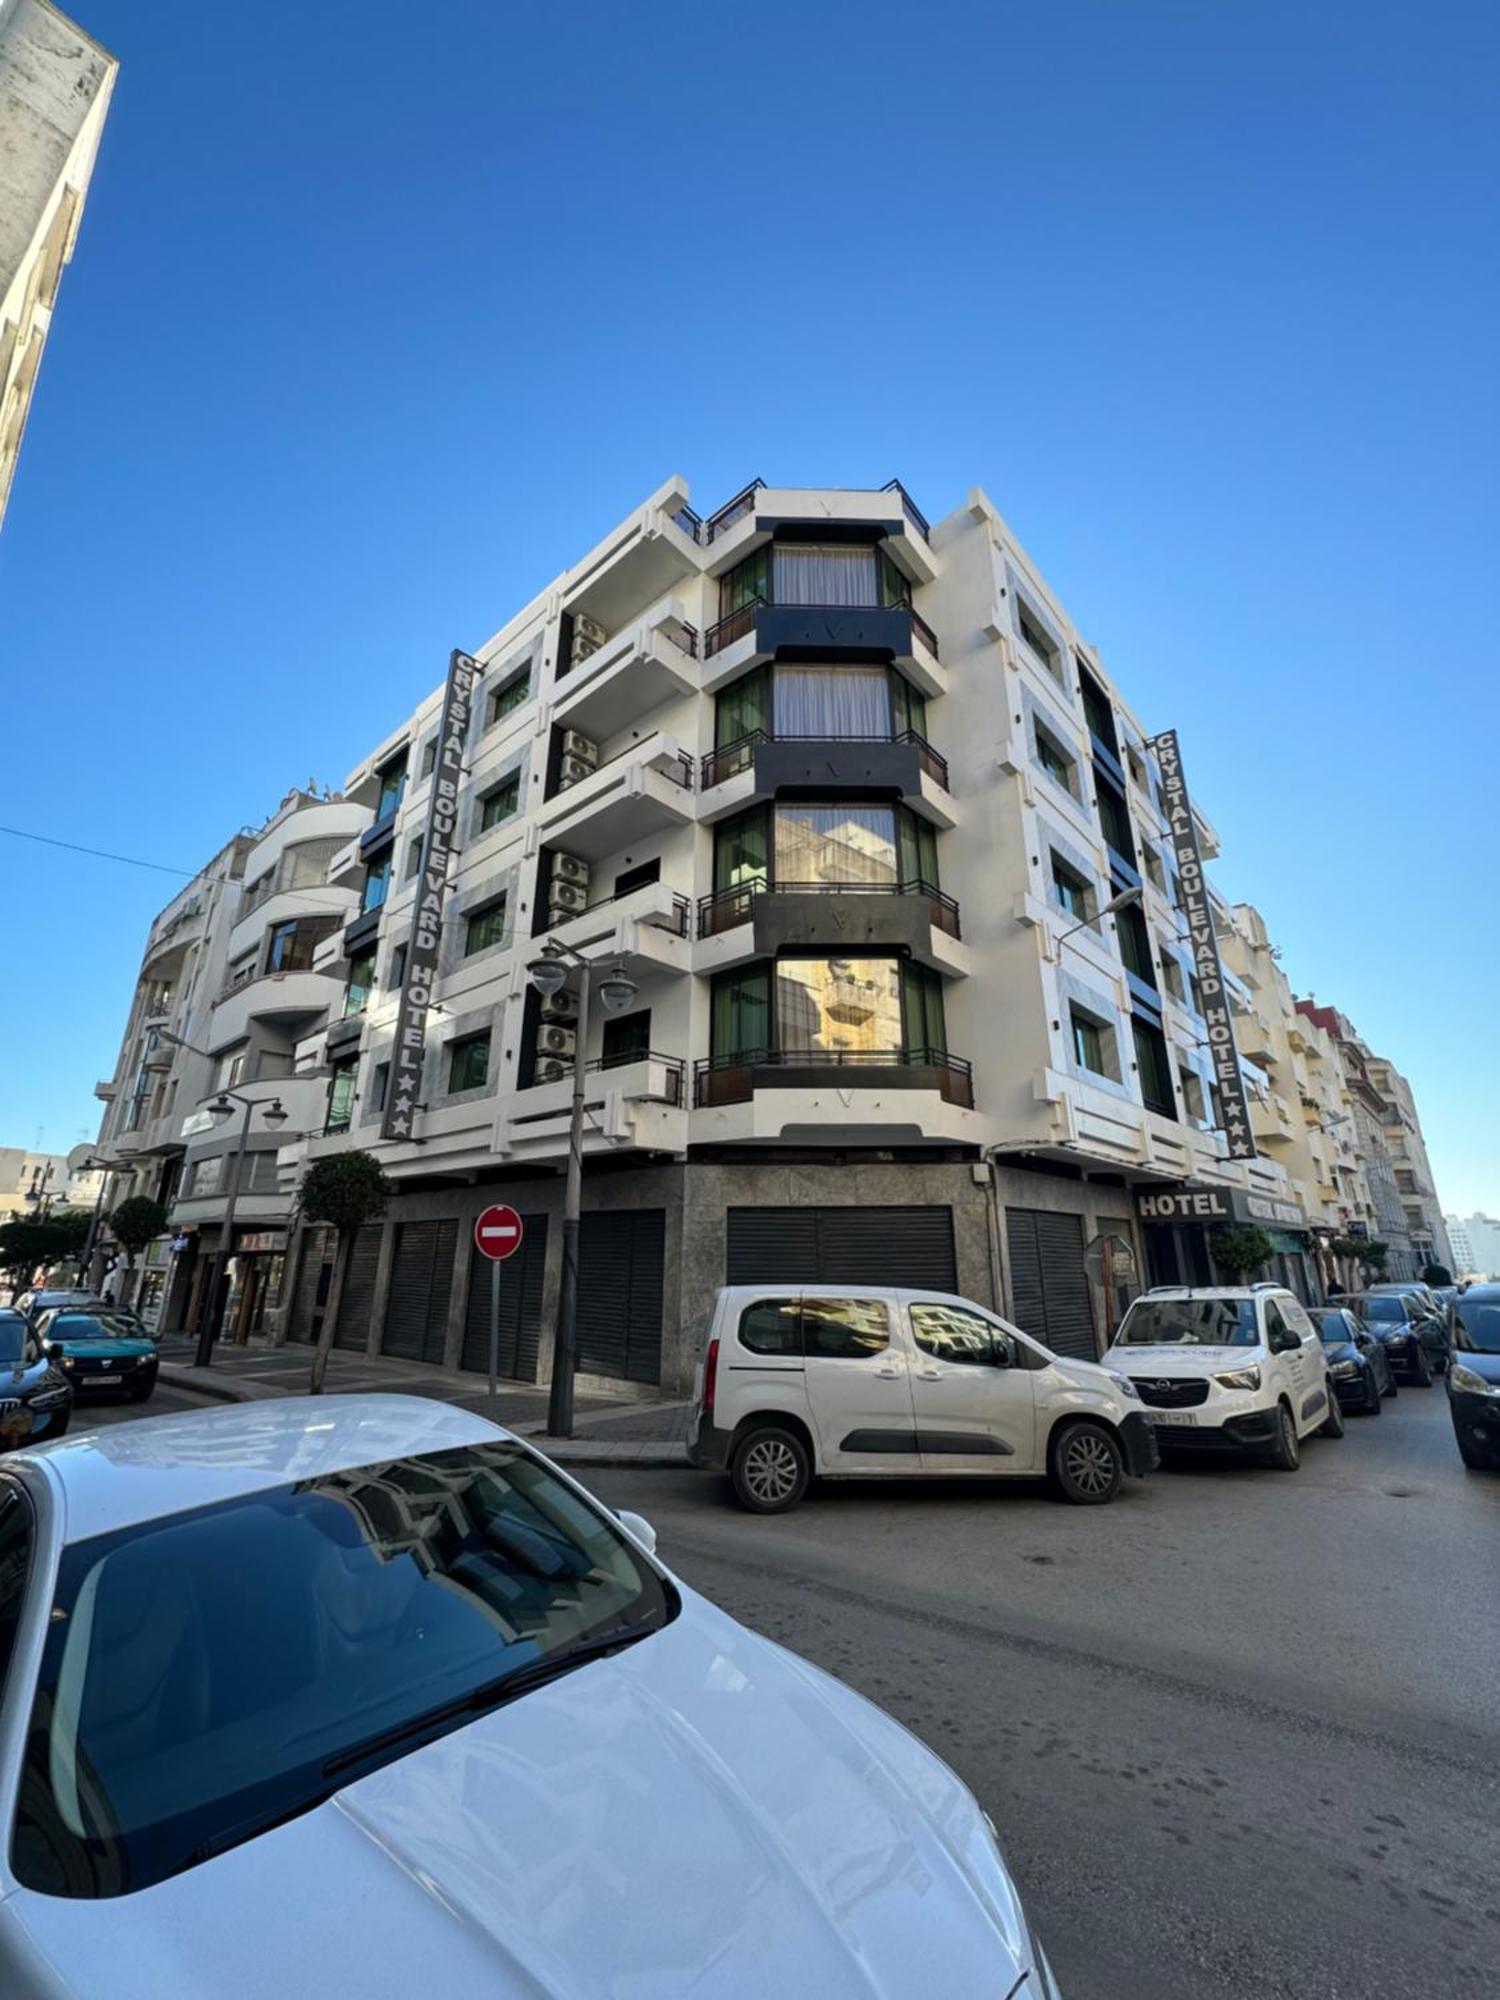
(52,1351)
(640,1527)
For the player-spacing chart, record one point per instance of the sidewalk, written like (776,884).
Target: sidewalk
(608,1430)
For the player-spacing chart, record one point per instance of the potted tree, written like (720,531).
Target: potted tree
(345,1191)
(136,1223)
(1239,1250)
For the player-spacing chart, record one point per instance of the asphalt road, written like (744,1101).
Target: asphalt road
(1240,1731)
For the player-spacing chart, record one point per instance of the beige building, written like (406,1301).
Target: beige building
(1402,1131)
(55,84)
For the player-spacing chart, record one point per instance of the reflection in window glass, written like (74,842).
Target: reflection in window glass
(950,1334)
(838,1004)
(852,844)
(845,1329)
(772,1326)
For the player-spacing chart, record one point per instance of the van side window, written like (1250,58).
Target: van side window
(845,1329)
(771,1326)
(1275,1326)
(949,1334)
(1296,1318)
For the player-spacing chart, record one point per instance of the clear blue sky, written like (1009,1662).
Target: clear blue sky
(382,314)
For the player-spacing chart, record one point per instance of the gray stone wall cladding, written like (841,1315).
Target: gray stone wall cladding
(1063,729)
(696,1198)
(520,764)
(503,881)
(1100,1002)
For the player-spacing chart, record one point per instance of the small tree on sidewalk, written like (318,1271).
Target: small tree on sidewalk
(136,1223)
(345,1191)
(1436,1274)
(1239,1251)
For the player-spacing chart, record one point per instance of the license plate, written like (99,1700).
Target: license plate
(99,1381)
(1173,1417)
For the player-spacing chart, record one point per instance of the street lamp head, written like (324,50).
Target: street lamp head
(548,976)
(1123,901)
(220,1109)
(275,1113)
(617,989)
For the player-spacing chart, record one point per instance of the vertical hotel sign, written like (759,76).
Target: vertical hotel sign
(439,843)
(1206,962)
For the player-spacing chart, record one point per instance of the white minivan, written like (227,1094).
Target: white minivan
(1237,1368)
(846,1381)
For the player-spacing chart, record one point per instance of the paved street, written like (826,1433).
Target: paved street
(1240,1731)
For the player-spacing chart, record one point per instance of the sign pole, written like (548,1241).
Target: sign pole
(494,1328)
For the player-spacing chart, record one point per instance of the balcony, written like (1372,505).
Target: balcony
(634,1102)
(757,920)
(283,996)
(647,928)
(720,1080)
(763,763)
(760,631)
(651,554)
(758,510)
(644,789)
(653,661)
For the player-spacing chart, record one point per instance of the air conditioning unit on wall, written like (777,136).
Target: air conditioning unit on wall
(568,868)
(587,632)
(554,1040)
(568,897)
(573,771)
(557,1006)
(584,748)
(547,1069)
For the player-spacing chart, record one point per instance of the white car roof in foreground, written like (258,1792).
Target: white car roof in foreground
(127,1473)
(1211,1292)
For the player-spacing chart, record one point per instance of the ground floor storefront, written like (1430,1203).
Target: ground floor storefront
(656,1242)
(1178,1225)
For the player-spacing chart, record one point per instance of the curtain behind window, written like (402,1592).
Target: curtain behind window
(740,1018)
(806,574)
(926,1027)
(742,850)
(741,707)
(852,702)
(917,844)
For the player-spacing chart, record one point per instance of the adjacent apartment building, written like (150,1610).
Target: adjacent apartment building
(55,85)
(846,797)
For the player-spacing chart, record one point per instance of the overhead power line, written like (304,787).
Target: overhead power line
(98,853)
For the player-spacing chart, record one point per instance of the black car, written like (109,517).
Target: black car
(1359,1365)
(36,1398)
(1415,1341)
(1474,1376)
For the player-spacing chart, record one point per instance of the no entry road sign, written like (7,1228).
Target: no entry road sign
(497,1233)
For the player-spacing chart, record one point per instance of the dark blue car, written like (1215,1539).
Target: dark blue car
(1358,1365)
(1474,1375)
(36,1398)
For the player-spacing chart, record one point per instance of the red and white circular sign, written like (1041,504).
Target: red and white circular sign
(497,1233)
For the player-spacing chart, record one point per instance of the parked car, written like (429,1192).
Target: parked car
(101,1349)
(1474,1375)
(36,1397)
(1415,1340)
(1358,1366)
(1236,1368)
(34,1303)
(377,1644)
(858,1380)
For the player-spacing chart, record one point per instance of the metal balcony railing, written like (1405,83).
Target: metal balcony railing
(742,620)
(731,1079)
(728,907)
(732,511)
(910,508)
(732,758)
(676,921)
(673,1067)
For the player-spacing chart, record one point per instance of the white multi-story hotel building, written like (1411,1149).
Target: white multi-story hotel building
(55,85)
(845,796)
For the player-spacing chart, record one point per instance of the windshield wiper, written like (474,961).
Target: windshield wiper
(493,1694)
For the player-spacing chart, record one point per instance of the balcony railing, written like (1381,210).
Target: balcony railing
(676,921)
(676,765)
(672,1067)
(732,511)
(728,907)
(735,757)
(731,1079)
(910,508)
(740,622)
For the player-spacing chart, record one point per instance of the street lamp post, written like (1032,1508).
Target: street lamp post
(219,1110)
(549,974)
(1116,903)
(105,1172)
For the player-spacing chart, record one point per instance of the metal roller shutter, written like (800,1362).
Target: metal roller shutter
(1049,1288)
(622,1255)
(357,1306)
(843,1246)
(312,1284)
(520,1306)
(421,1282)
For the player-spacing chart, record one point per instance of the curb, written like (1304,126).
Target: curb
(633,1458)
(218,1389)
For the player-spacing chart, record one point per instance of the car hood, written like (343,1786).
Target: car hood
(1176,1358)
(106,1350)
(1487,1365)
(702,1814)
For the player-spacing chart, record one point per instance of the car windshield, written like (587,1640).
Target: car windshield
(1190,1323)
(1335,1329)
(212,1674)
(1385,1306)
(12,1337)
(1477,1325)
(65,1326)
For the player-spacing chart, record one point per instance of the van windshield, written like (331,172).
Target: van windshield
(1190,1323)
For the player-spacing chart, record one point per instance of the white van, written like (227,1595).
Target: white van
(846,1381)
(1237,1368)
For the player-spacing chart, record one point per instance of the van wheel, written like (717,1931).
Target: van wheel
(1087,1465)
(1286,1454)
(771,1470)
(1332,1425)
